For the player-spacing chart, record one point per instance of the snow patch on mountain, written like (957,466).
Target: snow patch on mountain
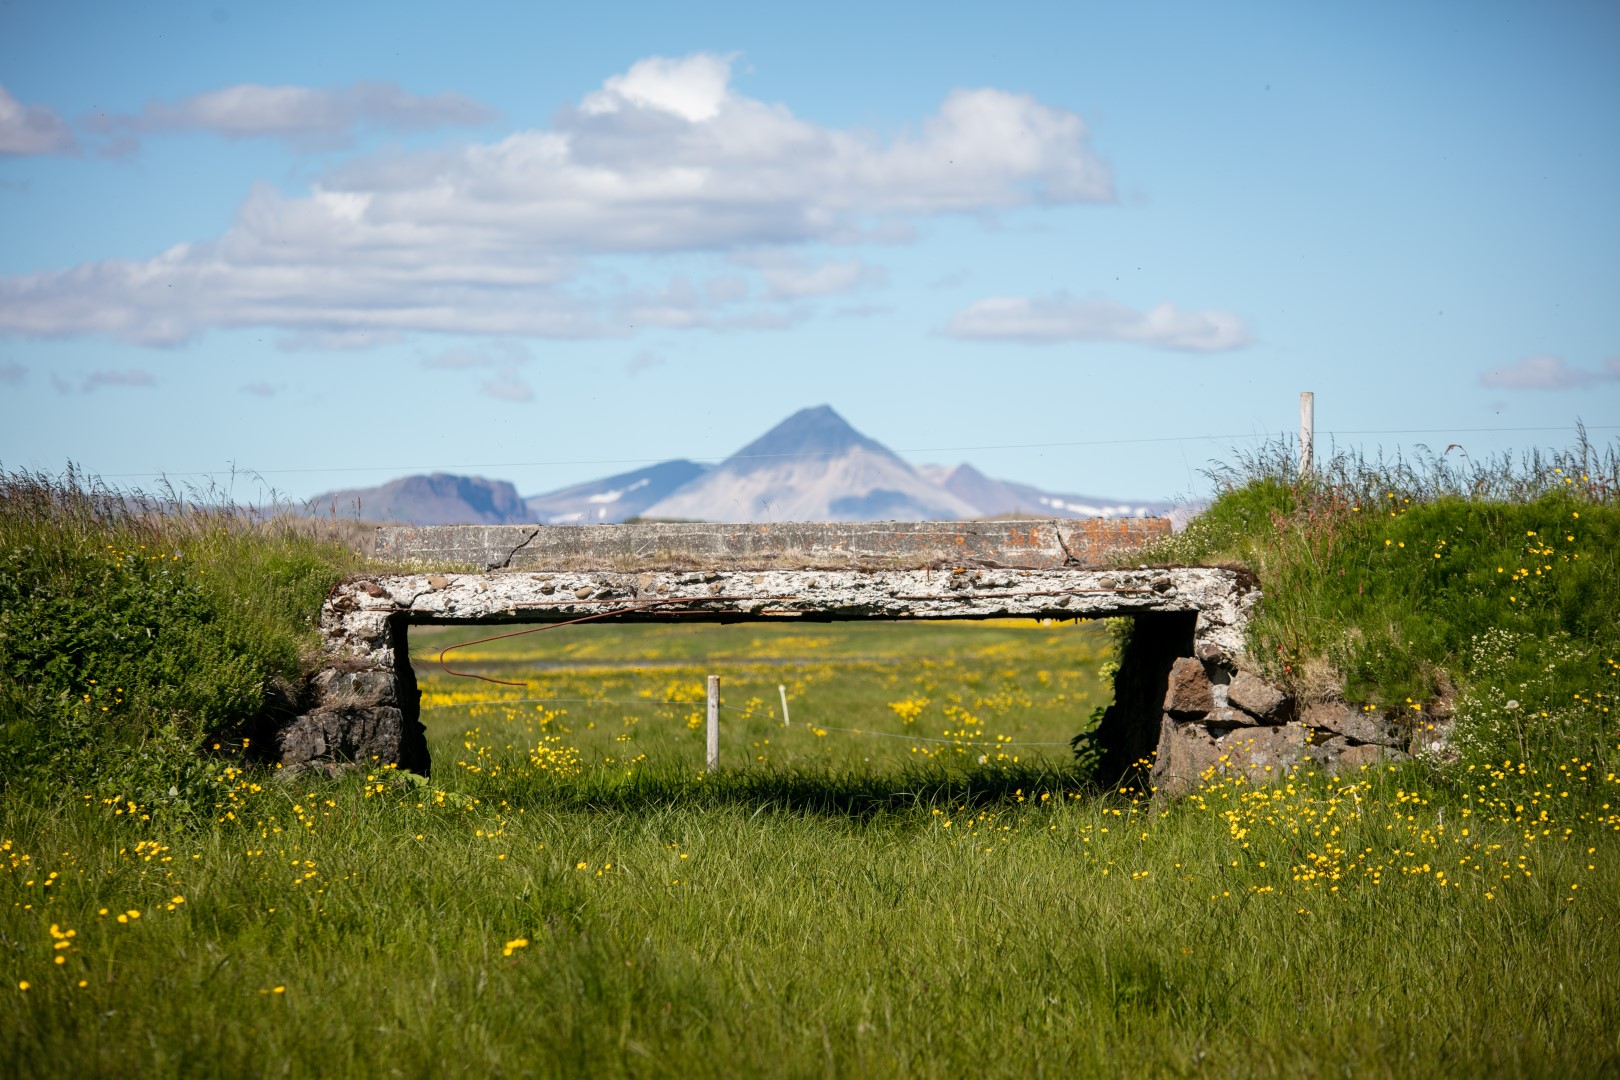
(613,498)
(993,497)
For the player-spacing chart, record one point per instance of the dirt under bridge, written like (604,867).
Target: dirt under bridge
(1183,696)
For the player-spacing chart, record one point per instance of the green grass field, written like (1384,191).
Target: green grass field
(569,895)
(1005,691)
(916,877)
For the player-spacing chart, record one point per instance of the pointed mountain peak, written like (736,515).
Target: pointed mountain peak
(968,473)
(812,432)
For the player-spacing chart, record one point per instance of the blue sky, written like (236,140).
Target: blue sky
(336,243)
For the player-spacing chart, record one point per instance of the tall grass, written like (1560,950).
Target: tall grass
(136,628)
(772,922)
(1585,470)
(1432,584)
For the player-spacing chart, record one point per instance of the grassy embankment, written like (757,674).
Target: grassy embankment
(134,631)
(568,895)
(1430,587)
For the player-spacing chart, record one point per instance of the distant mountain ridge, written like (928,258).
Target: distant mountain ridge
(813,466)
(613,498)
(1009,497)
(438,499)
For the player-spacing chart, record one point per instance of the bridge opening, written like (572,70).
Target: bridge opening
(860,694)
(366,704)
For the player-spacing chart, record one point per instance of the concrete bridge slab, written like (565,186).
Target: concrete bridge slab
(1184,705)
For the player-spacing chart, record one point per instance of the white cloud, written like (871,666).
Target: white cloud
(864,311)
(306,117)
(1549,373)
(726,289)
(501,354)
(336,340)
(501,358)
(132,377)
(499,238)
(792,280)
(459,359)
(1046,320)
(508,386)
(692,88)
(27,130)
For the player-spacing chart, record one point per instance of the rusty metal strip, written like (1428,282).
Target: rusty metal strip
(965,595)
(712,597)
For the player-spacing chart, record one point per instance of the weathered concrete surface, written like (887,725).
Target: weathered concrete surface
(357,618)
(786,545)
(1188,707)
(367,682)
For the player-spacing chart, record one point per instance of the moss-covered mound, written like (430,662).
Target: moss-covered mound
(1489,590)
(134,631)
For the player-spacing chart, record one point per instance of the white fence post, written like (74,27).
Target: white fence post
(780,689)
(712,761)
(1307,433)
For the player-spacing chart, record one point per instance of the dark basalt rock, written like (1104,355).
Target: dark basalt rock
(1190,690)
(1257,697)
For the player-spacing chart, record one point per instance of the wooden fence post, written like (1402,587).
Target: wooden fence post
(712,760)
(1307,433)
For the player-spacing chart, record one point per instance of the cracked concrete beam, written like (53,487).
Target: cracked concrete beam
(885,545)
(364,622)
(510,555)
(364,703)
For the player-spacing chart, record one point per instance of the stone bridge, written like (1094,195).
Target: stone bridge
(1184,699)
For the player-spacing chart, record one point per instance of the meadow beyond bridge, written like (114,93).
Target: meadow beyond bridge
(1181,694)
